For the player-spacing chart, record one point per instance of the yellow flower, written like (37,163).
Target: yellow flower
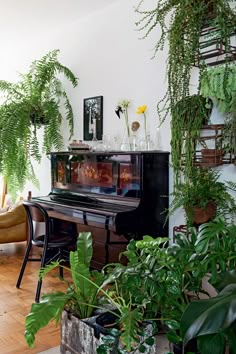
(141,109)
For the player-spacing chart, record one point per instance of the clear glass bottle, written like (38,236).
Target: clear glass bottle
(146,144)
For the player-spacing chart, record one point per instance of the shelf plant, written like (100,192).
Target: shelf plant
(35,101)
(219,83)
(203,196)
(181,24)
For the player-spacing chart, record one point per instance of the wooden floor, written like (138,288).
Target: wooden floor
(15,303)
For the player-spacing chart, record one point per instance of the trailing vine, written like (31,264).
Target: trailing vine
(181,23)
(220,84)
(188,116)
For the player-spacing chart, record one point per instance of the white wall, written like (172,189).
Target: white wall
(105,52)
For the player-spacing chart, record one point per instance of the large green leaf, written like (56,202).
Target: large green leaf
(50,308)
(210,316)
(130,327)
(85,247)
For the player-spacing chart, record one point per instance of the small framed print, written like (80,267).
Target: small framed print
(93,118)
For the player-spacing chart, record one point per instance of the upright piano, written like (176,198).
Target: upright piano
(115,195)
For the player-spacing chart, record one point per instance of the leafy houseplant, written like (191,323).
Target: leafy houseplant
(181,23)
(212,254)
(168,278)
(212,321)
(188,116)
(31,103)
(219,84)
(201,196)
(82,297)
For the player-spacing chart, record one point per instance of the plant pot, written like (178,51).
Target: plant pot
(212,157)
(190,347)
(199,215)
(78,336)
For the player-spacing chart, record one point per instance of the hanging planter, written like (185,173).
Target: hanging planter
(200,215)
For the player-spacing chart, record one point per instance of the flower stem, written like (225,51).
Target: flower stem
(127,125)
(145,128)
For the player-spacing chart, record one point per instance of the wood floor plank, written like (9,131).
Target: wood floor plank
(15,303)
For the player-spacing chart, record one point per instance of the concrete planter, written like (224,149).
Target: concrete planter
(77,337)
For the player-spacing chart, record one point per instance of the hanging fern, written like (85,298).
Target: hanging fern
(33,102)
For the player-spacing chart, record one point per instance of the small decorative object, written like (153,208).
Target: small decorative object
(78,145)
(123,108)
(93,118)
(134,141)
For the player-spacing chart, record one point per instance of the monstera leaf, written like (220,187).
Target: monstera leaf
(212,321)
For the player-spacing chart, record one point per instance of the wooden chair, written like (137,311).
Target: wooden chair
(54,245)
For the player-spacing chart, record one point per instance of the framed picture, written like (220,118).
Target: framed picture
(93,118)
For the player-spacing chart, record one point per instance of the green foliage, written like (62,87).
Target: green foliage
(169,277)
(181,23)
(41,314)
(216,243)
(162,274)
(29,104)
(201,187)
(212,321)
(188,116)
(220,84)
(81,296)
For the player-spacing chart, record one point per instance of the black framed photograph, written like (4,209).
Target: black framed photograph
(93,118)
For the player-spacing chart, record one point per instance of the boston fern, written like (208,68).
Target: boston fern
(33,102)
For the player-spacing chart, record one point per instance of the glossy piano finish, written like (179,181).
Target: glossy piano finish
(125,191)
(122,194)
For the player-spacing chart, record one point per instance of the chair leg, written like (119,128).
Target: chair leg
(26,256)
(39,286)
(60,257)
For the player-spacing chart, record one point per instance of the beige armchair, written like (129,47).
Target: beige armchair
(13,225)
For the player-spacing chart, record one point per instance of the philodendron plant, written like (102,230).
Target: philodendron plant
(213,321)
(83,295)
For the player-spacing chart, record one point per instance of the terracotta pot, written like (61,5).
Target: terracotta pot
(212,156)
(199,215)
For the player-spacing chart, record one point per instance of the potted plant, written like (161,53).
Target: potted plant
(213,255)
(76,307)
(212,321)
(201,196)
(183,31)
(33,102)
(181,23)
(219,84)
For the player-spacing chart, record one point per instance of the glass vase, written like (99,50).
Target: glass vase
(126,143)
(146,144)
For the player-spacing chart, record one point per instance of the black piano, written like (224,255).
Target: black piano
(116,195)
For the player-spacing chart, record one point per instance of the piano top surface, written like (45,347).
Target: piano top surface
(98,206)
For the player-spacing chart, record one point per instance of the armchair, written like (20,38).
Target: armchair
(13,225)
